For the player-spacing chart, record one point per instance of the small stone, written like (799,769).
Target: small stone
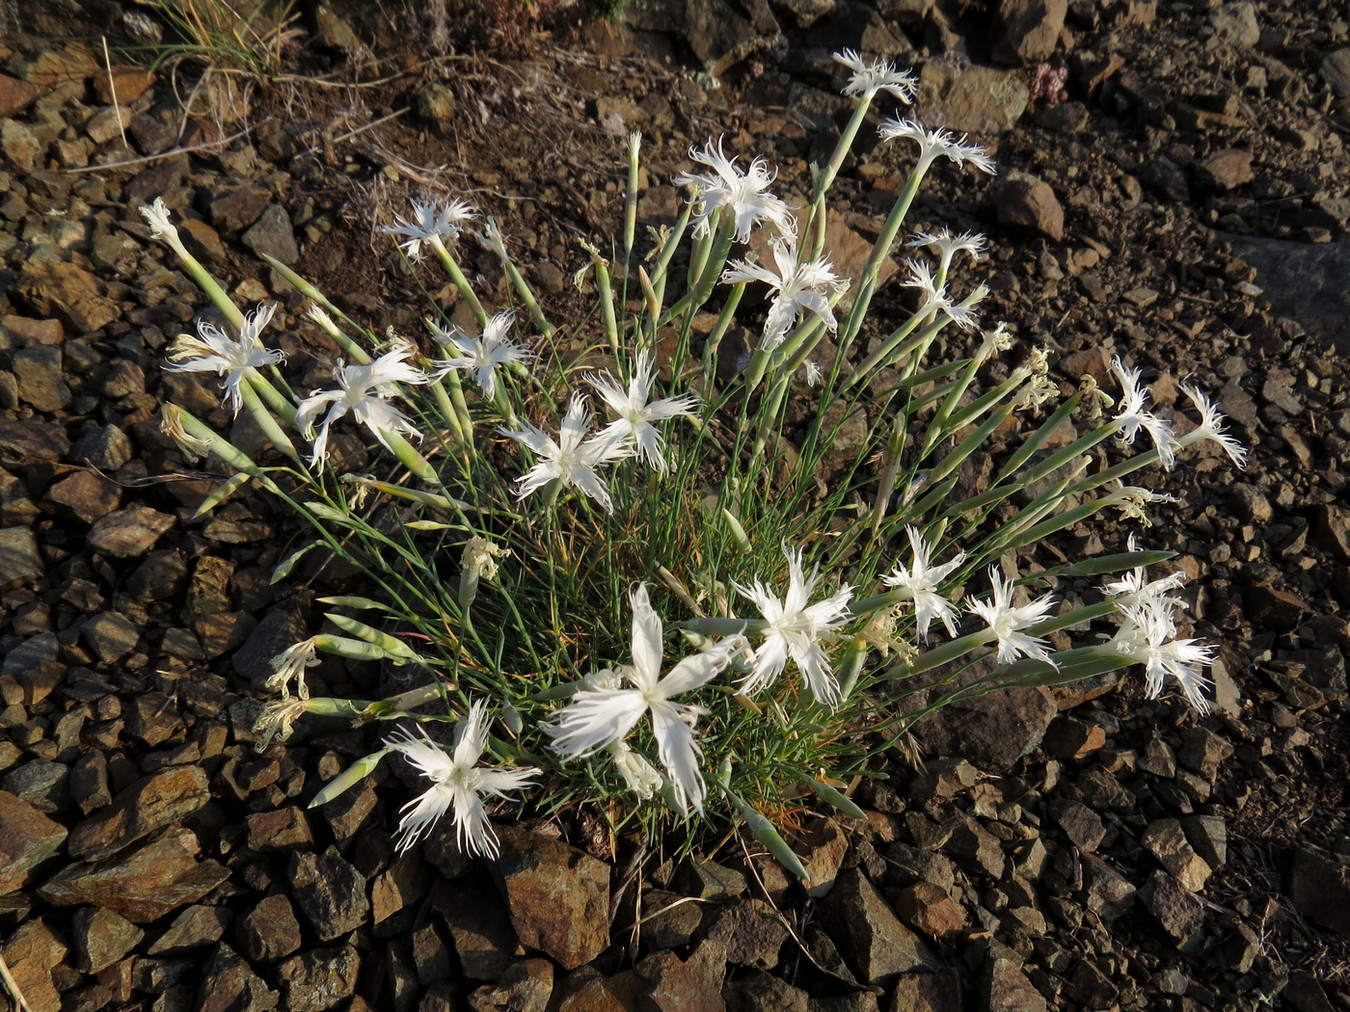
(927,908)
(20,561)
(152,802)
(30,954)
(943,778)
(234,209)
(273,236)
(330,891)
(822,849)
(20,146)
(1334,68)
(68,292)
(867,933)
(752,932)
(129,532)
(1030,30)
(1080,824)
(1203,751)
(1166,839)
(993,730)
(229,985)
(27,839)
(1070,738)
(1004,986)
(976,849)
(557,895)
(279,830)
(669,920)
(1174,906)
(1226,169)
(676,984)
(319,979)
(100,938)
(435,102)
(1235,24)
(41,378)
(29,442)
(110,635)
(107,123)
(86,496)
(269,930)
(706,879)
(1109,893)
(525,986)
(16,96)
(972,99)
(42,783)
(105,447)
(191,929)
(1029,203)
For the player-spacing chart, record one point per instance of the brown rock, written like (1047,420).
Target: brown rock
(557,895)
(751,931)
(1174,906)
(1319,885)
(479,926)
(86,496)
(66,291)
(16,95)
(1226,169)
(1166,839)
(974,99)
(1003,986)
(868,934)
(148,804)
(993,731)
(1080,823)
(142,884)
(193,928)
(229,985)
(1030,30)
(320,979)
(100,938)
(822,849)
(31,954)
(129,532)
(928,909)
(27,442)
(1029,203)
(27,838)
(526,986)
(330,891)
(124,85)
(268,931)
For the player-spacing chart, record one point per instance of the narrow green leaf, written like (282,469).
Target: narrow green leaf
(358,603)
(391,645)
(765,832)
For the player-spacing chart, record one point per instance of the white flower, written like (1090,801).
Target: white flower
(743,193)
(921,580)
(289,666)
(795,629)
(1135,588)
(430,224)
(1148,635)
(961,313)
(799,287)
(636,413)
(935,143)
(1133,417)
(598,716)
(572,459)
(213,350)
(994,341)
(1133,502)
(484,354)
(157,217)
(640,776)
(1006,620)
(277,721)
(880,75)
(362,392)
(949,245)
(1212,427)
(457,784)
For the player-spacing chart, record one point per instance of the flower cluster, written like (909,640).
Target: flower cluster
(541,501)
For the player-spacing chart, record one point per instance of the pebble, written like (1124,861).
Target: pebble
(870,937)
(29,839)
(330,892)
(1029,203)
(557,896)
(129,533)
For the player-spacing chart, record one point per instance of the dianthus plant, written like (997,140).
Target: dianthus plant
(634,564)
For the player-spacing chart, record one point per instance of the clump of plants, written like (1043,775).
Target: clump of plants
(612,580)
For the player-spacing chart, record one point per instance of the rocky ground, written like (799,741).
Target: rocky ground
(1180,197)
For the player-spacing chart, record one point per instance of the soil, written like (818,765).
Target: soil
(1100,850)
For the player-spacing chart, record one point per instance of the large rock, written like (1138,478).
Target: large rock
(68,292)
(1309,284)
(20,561)
(27,838)
(1030,30)
(129,533)
(992,731)
(868,934)
(974,99)
(1029,203)
(160,799)
(143,884)
(557,895)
